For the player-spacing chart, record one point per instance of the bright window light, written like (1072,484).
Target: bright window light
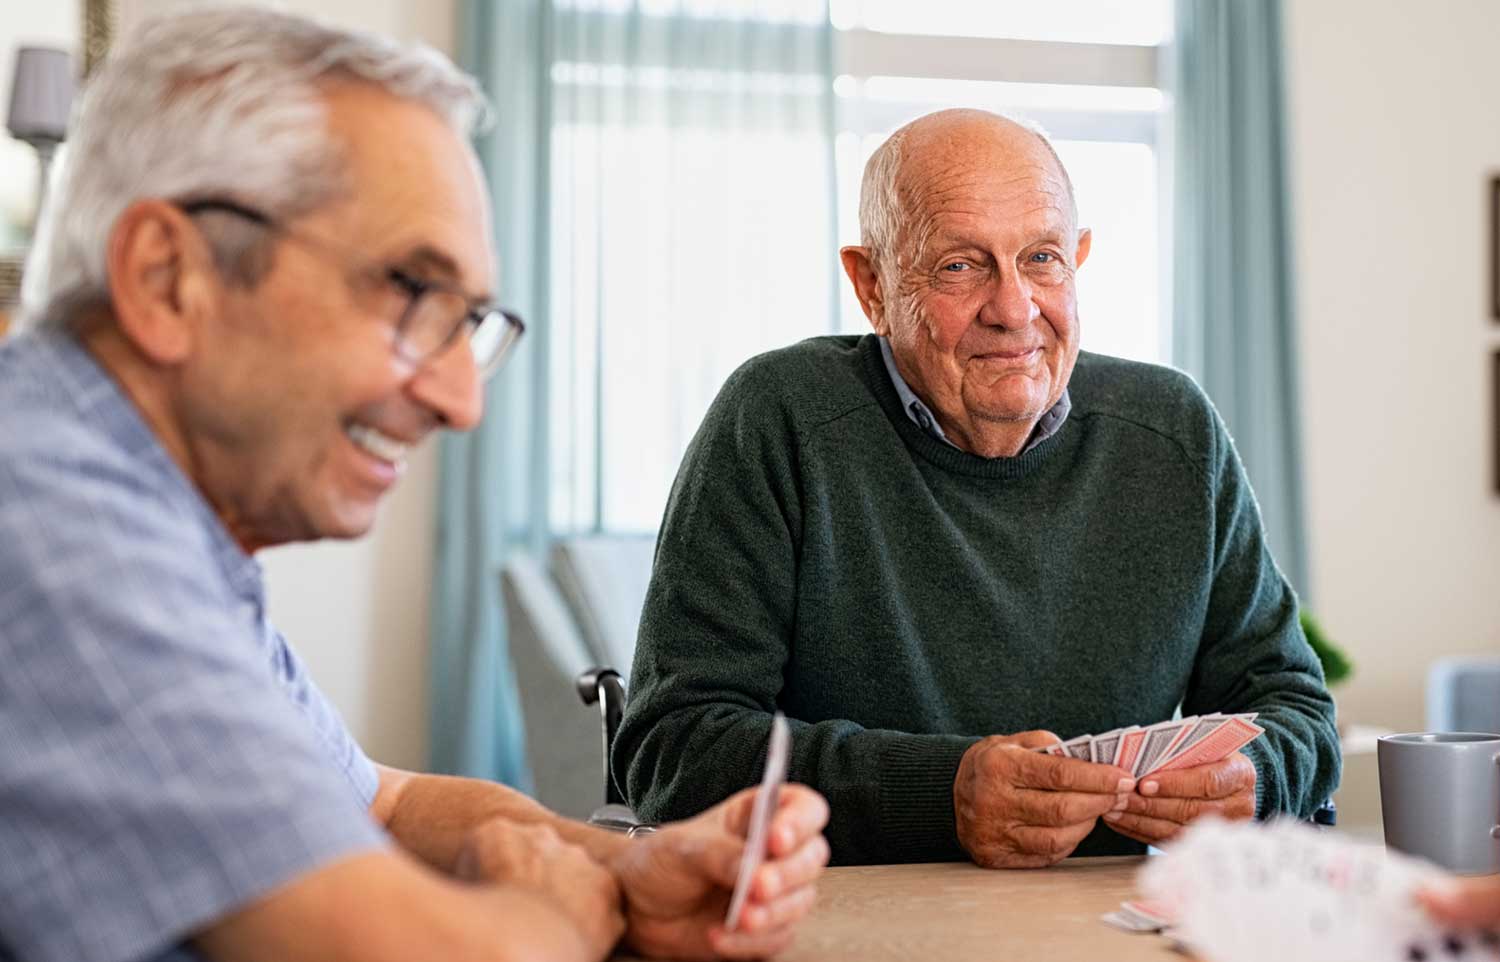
(1133,22)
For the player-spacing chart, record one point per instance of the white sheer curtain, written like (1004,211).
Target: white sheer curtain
(692,218)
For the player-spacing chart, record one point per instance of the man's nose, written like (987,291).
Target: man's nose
(1010,303)
(448,385)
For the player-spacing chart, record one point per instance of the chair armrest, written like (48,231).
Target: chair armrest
(604,687)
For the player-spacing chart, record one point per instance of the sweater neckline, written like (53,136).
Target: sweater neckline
(938,453)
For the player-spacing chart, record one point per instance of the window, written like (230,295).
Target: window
(693,209)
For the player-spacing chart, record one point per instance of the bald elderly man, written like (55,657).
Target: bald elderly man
(942,544)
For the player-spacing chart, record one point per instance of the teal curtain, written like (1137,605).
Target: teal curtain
(661,175)
(1234,323)
(492,493)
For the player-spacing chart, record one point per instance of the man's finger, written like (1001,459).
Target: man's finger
(1034,739)
(798,869)
(1044,808)
(779,912)
(716,855)
(1220,779)
(1143,828)
(740,944)
(1035,770)
(1051,844)
(1463,902)
(801,813)
(1179,810)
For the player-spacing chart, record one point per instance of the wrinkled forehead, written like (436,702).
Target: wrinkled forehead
(985,184)
(414,186)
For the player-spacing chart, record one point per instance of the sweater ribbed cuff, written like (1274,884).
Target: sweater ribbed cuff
(1256,752)
(916,798)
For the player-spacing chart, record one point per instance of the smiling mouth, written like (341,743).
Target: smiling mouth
(1007,355)
(377,444)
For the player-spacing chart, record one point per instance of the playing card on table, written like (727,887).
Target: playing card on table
(777,750)
(1140,915)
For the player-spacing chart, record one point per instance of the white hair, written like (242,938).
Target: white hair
(216,101)
(882,211)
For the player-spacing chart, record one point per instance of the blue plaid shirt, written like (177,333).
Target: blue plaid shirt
(164,757)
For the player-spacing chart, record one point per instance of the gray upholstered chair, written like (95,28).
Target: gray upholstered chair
(1463,695)
(547,654)
(604,579)
(572,632)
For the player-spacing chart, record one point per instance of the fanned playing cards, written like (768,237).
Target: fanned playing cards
(1165,746)
(1248,891)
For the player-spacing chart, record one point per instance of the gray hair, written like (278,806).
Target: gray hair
(881,207)
(220,100)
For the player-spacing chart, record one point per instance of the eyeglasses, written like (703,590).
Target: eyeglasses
(435,313)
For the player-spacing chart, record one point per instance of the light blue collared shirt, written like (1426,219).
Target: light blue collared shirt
(165,759)
(922,416)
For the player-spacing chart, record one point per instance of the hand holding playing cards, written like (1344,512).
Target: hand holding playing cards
(1165,802)
(1018,808)
(677,882)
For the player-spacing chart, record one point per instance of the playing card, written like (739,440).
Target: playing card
(1159,738)
(1131,740)
(760,816)
(1223,741)
(1200,729)
(1079,747)
(1107,746)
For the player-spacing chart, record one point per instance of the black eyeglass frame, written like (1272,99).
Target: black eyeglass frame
(413,288)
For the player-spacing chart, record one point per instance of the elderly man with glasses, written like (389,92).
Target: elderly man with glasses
(267,276)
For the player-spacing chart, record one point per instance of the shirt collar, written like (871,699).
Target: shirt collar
(99,399)
(1046,426)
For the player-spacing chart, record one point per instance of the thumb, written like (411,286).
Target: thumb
(717,857)
(1033,739)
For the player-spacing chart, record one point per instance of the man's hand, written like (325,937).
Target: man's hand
(1164,804)
(677,882)
(1018,808)
(1464,903)
(533,858)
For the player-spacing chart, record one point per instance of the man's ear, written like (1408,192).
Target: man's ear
(1085,243)
(162,281)
(860,266)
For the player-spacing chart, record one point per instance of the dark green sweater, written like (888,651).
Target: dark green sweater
(898,598)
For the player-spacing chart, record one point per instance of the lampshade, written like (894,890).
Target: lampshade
(41,95)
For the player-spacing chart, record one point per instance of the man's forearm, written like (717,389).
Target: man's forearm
(431,815)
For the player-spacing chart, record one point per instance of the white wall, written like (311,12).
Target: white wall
(1395,136)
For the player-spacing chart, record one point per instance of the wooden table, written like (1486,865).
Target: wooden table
(956,912)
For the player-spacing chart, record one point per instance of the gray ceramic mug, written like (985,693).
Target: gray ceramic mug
(1440,798)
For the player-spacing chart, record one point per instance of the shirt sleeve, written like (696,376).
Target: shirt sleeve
(154,775)
(338,745)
